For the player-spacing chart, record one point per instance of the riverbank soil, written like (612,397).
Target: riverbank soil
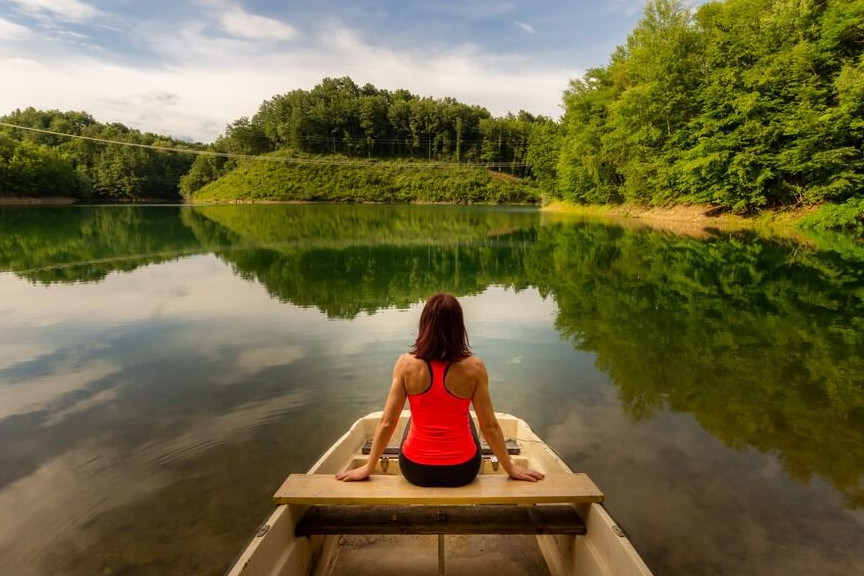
(690,220)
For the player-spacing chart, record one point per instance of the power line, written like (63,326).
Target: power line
(376,140)
(283,160)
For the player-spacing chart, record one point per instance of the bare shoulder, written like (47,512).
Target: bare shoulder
(473,367)
(407,363)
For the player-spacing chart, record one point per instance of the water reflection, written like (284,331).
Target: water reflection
(162,369)
(760,341)
(82,244)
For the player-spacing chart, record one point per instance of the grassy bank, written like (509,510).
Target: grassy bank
(30,200)
(847,217)
(381,181)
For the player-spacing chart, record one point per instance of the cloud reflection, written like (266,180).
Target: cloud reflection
(210,431)
(64,379)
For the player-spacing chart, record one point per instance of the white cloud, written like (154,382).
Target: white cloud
(71,10)
(526,27)
(11,31)
(238,22)
(214,78)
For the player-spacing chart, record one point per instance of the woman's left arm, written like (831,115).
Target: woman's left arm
(386,426)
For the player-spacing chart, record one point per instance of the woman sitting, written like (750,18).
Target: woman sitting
(441,379)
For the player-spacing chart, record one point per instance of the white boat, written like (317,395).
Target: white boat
(353,548)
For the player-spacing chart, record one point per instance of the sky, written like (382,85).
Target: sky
(187,68)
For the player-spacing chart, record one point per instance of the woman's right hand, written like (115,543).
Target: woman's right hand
(526,474)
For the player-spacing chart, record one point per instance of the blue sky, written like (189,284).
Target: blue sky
(188,67)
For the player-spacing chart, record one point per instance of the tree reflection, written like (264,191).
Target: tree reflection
(759,339)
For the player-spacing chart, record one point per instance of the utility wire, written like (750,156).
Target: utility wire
(284,160)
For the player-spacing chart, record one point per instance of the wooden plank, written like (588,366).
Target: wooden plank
(484,519)
(393,467)
(485,489)
(393,449)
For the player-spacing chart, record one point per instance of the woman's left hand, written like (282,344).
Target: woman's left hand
(354,475)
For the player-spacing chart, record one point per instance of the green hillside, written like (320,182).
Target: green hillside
(374,181)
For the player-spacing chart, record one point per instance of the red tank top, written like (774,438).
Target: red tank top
(440,434)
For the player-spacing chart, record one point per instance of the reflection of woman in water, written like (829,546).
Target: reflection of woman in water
(441,378)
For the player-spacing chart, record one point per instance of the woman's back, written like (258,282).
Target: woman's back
(440,432)
(440,392)
(462,376)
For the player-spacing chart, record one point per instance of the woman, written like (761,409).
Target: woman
(440,378)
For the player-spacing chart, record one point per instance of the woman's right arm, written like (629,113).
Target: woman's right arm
(492,432)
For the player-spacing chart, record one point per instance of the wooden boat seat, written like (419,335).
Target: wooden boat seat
(324,489)
(486,450)
(484,519)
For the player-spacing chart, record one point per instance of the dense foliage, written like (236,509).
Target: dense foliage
(382,181)
(35,164)
(338,117)
(743,104)
(336,120)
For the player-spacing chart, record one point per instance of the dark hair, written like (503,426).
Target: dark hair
(442,334)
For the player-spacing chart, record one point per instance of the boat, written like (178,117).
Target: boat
(494,525)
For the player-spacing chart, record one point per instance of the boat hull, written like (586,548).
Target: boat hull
(275,551)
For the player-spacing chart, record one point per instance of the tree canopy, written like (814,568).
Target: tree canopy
(36,164)
(742,104)
(338,117)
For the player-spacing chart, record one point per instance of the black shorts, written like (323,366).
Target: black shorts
(449,476)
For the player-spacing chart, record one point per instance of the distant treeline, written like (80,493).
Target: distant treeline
(339,117)
(742,104)
(35,164)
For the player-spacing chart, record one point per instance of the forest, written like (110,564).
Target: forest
(343,120)
(337,118)
(38,164)
(742,104)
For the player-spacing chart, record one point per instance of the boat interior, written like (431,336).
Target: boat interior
(493,526)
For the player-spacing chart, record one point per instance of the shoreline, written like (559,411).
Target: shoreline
(69,200)
(693,220)
(358,202)
(37,201)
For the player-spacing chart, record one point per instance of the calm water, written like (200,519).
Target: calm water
(162,369)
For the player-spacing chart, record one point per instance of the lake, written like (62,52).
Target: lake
(162,369)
